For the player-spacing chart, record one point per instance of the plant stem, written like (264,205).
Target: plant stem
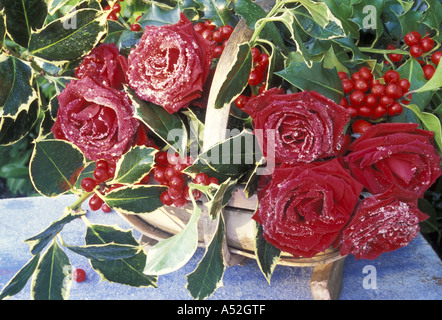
(77,204)
(383,51)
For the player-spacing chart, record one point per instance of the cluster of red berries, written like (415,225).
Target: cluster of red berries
(103,171)
(211,32)
(257,75)
(168,171)
(114,10)
(371,98)
(417,47)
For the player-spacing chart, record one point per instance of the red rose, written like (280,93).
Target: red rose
(96,118)
(104,63)
(382,223)
(394,154)
(306,125)
(170,65)
(305,207)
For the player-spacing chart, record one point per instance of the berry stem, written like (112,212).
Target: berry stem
(383,51)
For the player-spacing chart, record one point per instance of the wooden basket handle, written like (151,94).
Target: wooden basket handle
(216,119)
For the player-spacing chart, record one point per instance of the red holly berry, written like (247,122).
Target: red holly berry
(365,74)
(347,85)
(379,111)
(359,126)
(391,76)
(352,111)
(386,100)
(213,180)
(416,51)
(357,97)
(426,44)
(241,101)
(208,24)
(255,54)
(429,71)
(95,202)
(101,175)
(166,199)
(378,90)
(179,202)
(199,27)
(395,109)
(435,57)
(79,275)
(371,100)
(176,181)
(135,27)
(218,51)
(106,208)
(112,16)
(175,193)
(217,36)
(88,184)
(393,90)
(404,84)
(201,178)
(116,8)
(255,77)
(161,158)
(364,111)
(412,38)
(158,174)
(361,85)
(343,102)
(226,31)
(394,57)
(342,75)
(207,34)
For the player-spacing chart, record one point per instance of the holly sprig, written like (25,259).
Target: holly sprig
(295,45)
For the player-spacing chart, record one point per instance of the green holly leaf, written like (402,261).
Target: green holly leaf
(53,275)
(23,16)
(18,282)
(235,80)
(171,254)
(69,37)
(13,130)
(430,122)
(169,127)
(343,11)
(55,166)
(38,242)
(216,10)
(134,165)
(158,16)
(367,15)
(138,199)
(16,91)
(267,255)
(435,83)
(128,271)
(231,158)
(103,252)
(317,78)
(208,275)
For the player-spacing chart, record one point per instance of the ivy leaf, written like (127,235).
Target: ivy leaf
(216,10)
(169,127)
(128,271)
(18,282)
(13,130)
(55,166)
(267,255)
(134,165)
(343,10)
(171,254)
(235,80)
(208,275)
(317,78)
(16,91)
(157,16)
(138,199)
(69,37)
(53,276)
(430,122)
(23,16)
(38,242)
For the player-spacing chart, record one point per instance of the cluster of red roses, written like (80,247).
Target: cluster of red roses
(169,67)
(312,201)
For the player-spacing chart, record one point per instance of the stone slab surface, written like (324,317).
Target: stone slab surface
(410,273)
